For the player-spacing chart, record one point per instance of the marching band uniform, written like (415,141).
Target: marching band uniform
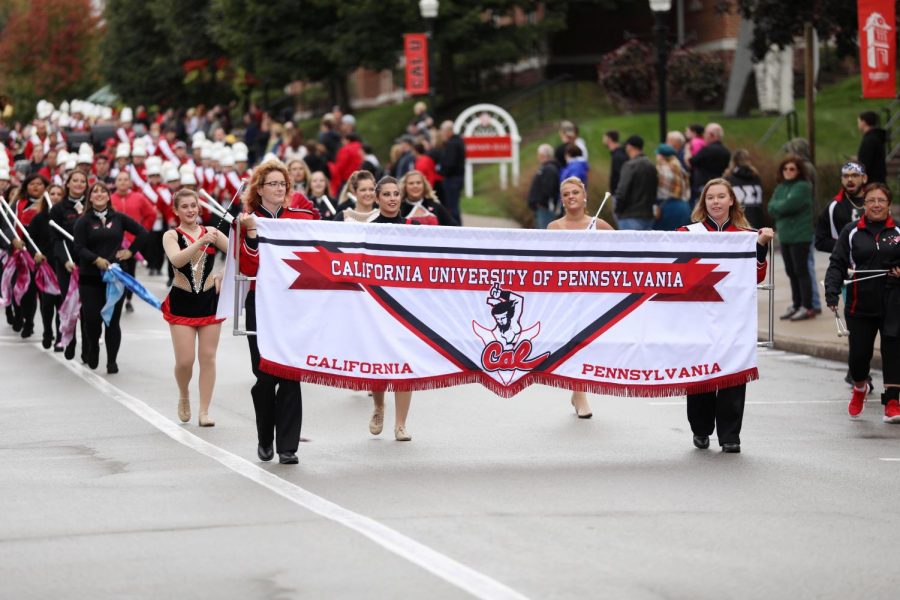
(723,409)
(26,210)
(277,401)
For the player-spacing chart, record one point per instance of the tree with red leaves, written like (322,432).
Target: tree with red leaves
(48,49)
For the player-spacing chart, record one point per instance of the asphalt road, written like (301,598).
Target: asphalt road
(104,494)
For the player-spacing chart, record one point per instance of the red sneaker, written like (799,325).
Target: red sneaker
(857,401)
(892,412)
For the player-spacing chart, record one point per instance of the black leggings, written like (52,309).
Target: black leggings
(49,307)
(93,297)
(862,344)
(795,258)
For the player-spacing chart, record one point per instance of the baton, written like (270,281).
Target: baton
(324,199)
(19,223)
(602,204)
(66,235)
(849,281)
(210,200)
(855,271)
(217,210)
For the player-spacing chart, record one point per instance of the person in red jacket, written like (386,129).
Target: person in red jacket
(349,159)
(277,401)
(135,205)
(718,210)
(425,164)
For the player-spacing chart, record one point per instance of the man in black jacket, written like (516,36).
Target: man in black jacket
(846,207)
(543,197)
(711,161)
(871,149)
(636,193)
(452,168)
(618,157)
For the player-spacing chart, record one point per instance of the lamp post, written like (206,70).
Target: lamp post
(660,8)
(429,11)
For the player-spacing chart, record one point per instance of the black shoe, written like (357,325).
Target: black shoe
(112,369)
(129,307)
(790,312)
(70,352)
(288,458)
(58,348)
(731,448)
(265,454)
(701,442)
(17,325)
(46,342)
(93,361)
(27,331)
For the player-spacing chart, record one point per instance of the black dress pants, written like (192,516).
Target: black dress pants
(93,297)
(278,402)
(722,410)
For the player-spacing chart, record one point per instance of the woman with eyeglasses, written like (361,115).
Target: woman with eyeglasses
(791,206)
(277,401)
(869,249)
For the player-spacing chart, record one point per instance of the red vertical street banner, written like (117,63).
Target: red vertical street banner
(878,48)
(415,48)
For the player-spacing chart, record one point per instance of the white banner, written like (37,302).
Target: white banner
(386,307)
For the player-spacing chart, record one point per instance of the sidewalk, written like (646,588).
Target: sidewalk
(816,337)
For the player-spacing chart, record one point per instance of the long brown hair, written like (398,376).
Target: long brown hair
(735,213)
(252,197)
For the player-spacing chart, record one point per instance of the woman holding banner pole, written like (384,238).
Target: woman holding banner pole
(574,199)
(190,306)
(98,243)
(870,250)
(718,210)
(276,400)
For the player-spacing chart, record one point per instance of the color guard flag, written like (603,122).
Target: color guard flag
(386,307)
(878,47)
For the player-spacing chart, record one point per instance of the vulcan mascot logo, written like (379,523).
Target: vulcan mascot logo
(507,345)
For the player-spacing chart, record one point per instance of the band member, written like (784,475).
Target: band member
(421,203)
(98,243)
(277,401)
(29,205)
(66,214)
(360,206)
(190,307)
(722,410)
(870,248)
(389,201)
(574,199)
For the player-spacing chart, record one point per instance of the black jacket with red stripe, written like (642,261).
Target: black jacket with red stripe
(865,246)
(709,224)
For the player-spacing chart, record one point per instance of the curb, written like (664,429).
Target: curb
(835,352)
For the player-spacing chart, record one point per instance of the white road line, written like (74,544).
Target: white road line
(890,459)
(796,357)
(454,573)
(757,402)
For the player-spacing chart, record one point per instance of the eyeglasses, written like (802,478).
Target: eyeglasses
(276,184)
(877,200)
(789,168)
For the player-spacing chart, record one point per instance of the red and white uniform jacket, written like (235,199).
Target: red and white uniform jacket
(249,248)
(125,135)
(50,141)
(708,224)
